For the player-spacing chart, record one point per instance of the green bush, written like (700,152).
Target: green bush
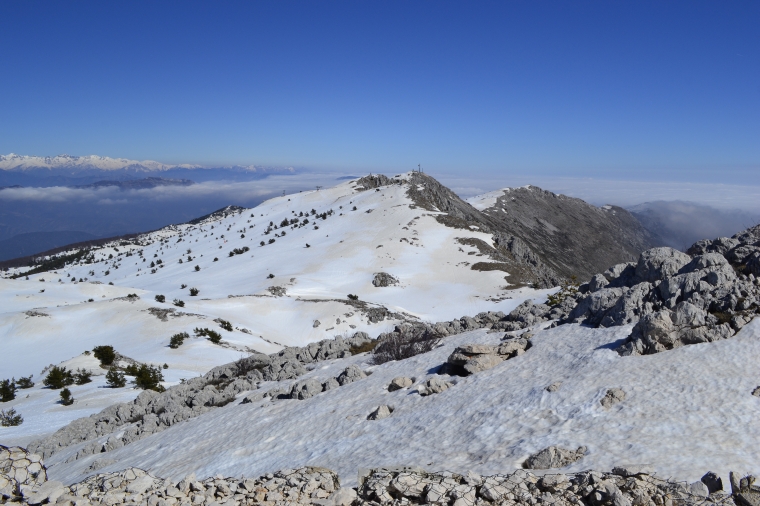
(58,377)
(197,267)
(82,376)
(213,336)
(105,354)
(351,296)
(115,378)
(194,292)
(160,298)
(149,378)
(178,303)
(66,398)
(10,418)
(225,325)
(7,390)
(177,340)
(25,382)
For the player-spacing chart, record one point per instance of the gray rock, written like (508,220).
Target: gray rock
(631,470)
(399,383)
(756,392)
(383,279)
(713,482)
(330,384)
(598,281)
(481,363)
(554,457)
(350,374)
(380,413)
(698,489)
(612,397)
(306,389)
(48,492)
(435,385)
(657,263)
(554,386)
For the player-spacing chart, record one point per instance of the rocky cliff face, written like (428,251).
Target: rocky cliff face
(571,236)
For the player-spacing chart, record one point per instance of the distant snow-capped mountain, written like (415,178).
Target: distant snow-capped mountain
(21,163)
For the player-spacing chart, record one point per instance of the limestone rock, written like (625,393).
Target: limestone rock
(350,374)
(554,457)
(612,397)
(380,413)
(435,385)
(383,279)
(399,383)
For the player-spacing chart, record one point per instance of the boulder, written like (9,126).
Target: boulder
(380,413)
(435,385)
(657,263)
(554,386)
(399,383)
(305,389)
(598,281)
(350,374)
(612,397)
(554,457)
(481,363)
(713,482)
(383,279)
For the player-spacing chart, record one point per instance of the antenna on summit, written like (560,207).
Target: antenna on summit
(419,167)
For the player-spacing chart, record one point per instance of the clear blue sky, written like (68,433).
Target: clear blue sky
(662,90)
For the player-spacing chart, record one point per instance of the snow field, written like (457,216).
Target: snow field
(686,411)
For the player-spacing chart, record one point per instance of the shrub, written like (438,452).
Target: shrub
(197,268)
(216,259)
(26,382)
(82,376)
(213,336)
(271,241)
(58,377)
(262,243)
(7,390)
(149,378)
(66,398)
(183,286)
(399,346)
(270,276)
(105,354)
(177,340)
(178,303)
(225,325)
(364,347)
(351,296)
(115,378)
(194,292)
(160,298)
(10,418)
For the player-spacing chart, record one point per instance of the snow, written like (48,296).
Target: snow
(686,411)
(349,247)
(486,200)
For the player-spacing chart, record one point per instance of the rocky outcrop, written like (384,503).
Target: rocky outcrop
(473,358)
(624,486)
(383,279)
(403,382)
(554,457)
(19,470)
(612,397)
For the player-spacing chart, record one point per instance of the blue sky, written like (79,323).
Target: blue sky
(628,90)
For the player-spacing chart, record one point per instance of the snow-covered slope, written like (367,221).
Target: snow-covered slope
(289,292)
(488,422)
(24,162)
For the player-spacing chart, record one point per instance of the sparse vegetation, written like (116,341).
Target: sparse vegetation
(178,339)
(225,325)
(197,268)
(26,382)
(160,298)
(58,377)
(194,292)
(364,347)
(178,303)
(115,378)
(66,398)
(568,289)
(351,296)
(10,418)
(212,335)
(82,377)
(7,390)
(105,354)
(149,378)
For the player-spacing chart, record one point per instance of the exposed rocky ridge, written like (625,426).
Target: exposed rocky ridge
(541,239)
(624,486)
(571,236)
(673,298)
